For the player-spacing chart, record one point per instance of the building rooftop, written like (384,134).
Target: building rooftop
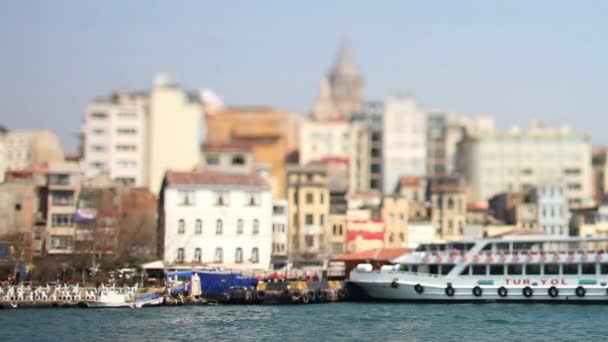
(227,147)
(214,178)
(409,181)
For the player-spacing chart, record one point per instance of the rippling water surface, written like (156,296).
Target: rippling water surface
(328,322)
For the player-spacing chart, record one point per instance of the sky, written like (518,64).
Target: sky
(517,60)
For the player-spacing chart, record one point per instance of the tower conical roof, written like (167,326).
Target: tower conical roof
(344,64)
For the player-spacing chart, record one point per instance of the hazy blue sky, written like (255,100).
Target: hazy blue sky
(515,59)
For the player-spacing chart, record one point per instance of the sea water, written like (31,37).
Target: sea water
(314,322)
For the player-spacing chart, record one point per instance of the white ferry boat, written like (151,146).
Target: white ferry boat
(558,269)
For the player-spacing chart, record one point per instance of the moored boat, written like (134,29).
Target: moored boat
(557,269)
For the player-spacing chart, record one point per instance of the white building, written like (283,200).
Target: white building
(279,231)
(223,219)
(320,140)
(137,137)
(521,160)
(115,138)
(404,140)
(552,204)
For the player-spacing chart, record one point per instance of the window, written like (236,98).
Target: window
(256,227)
(181,226)
(401,237)
(278,209)
(239,226)
(604,268)
(533,269)
(98,131)
(218,227)
(445,269)
(219,255)
(126,163)
(198,228)
(98,148)
(572,171)
(127,181)
(185,197)
(180,255)
(99,115)
(98,165)
(569,269)
(391,237)
(497,269)
(514,269)
(309,240)
(465,271)
(335,229)
(450,203)
(255,257)
(59,179)
(238,255)
(127,115)
(123,147)
(588,268)
(321,198)
(62,220)
(309,198)
(308,219)
(321,219)
(221,198)
(197,255)
(126,131)
(254,199)
(551,269)
(238,160)
(62,197)
(479,269)
(212,160)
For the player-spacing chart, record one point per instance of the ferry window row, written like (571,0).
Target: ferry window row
(512,269)
(536,269)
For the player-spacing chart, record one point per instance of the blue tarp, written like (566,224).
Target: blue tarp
(215,282)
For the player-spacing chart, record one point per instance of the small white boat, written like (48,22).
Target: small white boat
(109,298)
(152,301)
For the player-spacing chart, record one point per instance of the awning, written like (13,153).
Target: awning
(154,265)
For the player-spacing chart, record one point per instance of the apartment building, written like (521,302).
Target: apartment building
(521,160)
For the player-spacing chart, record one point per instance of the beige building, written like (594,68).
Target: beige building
(64,185)
(448,206)
(308,205)
(24,148)
(231,158)
(174,132)
(272,133)
(520,160)
(335,234)
(395,213)
(526,216)
(414,190)
(360,157)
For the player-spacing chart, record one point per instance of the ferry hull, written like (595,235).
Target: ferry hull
(435,290)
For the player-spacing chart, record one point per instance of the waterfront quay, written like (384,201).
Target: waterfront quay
(272,292)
